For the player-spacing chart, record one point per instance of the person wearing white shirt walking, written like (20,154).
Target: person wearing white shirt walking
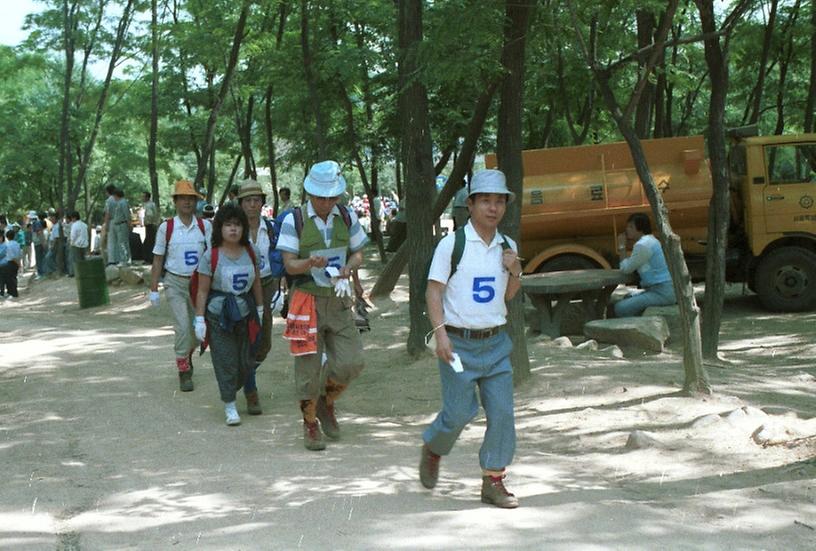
(467,309)
(180,243)
(78,238)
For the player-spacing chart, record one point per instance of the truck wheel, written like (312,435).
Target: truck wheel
(567,262)
(786,280)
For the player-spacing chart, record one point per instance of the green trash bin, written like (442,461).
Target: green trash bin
(92,287)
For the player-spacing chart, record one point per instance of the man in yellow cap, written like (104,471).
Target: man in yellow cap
(322,244)
(180,242)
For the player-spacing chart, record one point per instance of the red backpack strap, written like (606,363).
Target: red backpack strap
(213,260)
(201,226)
(168,233)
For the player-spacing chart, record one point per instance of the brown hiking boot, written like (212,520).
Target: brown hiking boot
(428,467)
(312,437)
(494,493)
(328,422)
(253,403)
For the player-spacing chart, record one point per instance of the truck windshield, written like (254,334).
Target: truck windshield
(791,164)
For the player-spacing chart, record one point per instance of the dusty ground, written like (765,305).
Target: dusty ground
(100,451)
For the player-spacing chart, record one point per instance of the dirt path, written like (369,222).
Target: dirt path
(100,451)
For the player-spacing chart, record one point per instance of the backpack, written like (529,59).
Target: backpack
(456,254)
(275,256)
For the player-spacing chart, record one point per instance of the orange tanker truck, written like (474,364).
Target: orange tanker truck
(577,199)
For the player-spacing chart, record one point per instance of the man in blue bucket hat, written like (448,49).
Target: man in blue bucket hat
(322,244)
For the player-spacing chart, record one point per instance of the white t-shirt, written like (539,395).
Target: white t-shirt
(233,276)
(474,296)
(79,234)
(187,244)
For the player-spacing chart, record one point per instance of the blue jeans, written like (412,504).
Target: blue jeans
(486,365)
(661,294)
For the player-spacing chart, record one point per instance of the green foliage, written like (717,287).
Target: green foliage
(353,45)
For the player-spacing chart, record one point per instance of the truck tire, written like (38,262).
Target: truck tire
(786,280)
(567,262)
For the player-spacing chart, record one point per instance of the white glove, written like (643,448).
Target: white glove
(342,288)
(154,298)
(277,302)
(260,310)
(200,328)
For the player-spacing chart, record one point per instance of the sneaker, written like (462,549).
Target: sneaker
(253,403)
(186,381)
(494,493)
(428,467)
(328,422)
(231,413)
(312,437)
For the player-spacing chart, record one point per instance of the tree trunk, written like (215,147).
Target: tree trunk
(645,37)
(154,105)
(311,85)
(417,151)
(85,161)
(270,148)
(209,138)
(756,105)
(810,107)
(719,207)
(389,276)
(508,153)
(65,157)
(696,379)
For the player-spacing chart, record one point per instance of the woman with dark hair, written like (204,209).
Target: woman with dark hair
(648,260)
(229,304)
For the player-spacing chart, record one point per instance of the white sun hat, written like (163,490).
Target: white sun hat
(325,180)
(490,180)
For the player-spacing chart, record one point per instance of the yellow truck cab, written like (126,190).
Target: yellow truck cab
(576,200)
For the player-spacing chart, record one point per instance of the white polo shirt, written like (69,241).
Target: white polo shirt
(186,246)
(474,296)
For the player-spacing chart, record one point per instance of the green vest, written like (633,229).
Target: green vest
(311,239)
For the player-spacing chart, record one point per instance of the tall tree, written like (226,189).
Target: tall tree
(696,379)
(419,169)
(154,103)
(719,211)
(209,136)
(508,153)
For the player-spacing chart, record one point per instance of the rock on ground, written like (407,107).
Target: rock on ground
(648,332)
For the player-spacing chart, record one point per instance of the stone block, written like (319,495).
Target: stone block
(647,332)
(111,273)
(130,276)
(672,316)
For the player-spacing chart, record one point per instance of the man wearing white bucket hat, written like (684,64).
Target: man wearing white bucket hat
(322,244)
(467,310)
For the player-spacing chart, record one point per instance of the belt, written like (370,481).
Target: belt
(177,275)
(475,334)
